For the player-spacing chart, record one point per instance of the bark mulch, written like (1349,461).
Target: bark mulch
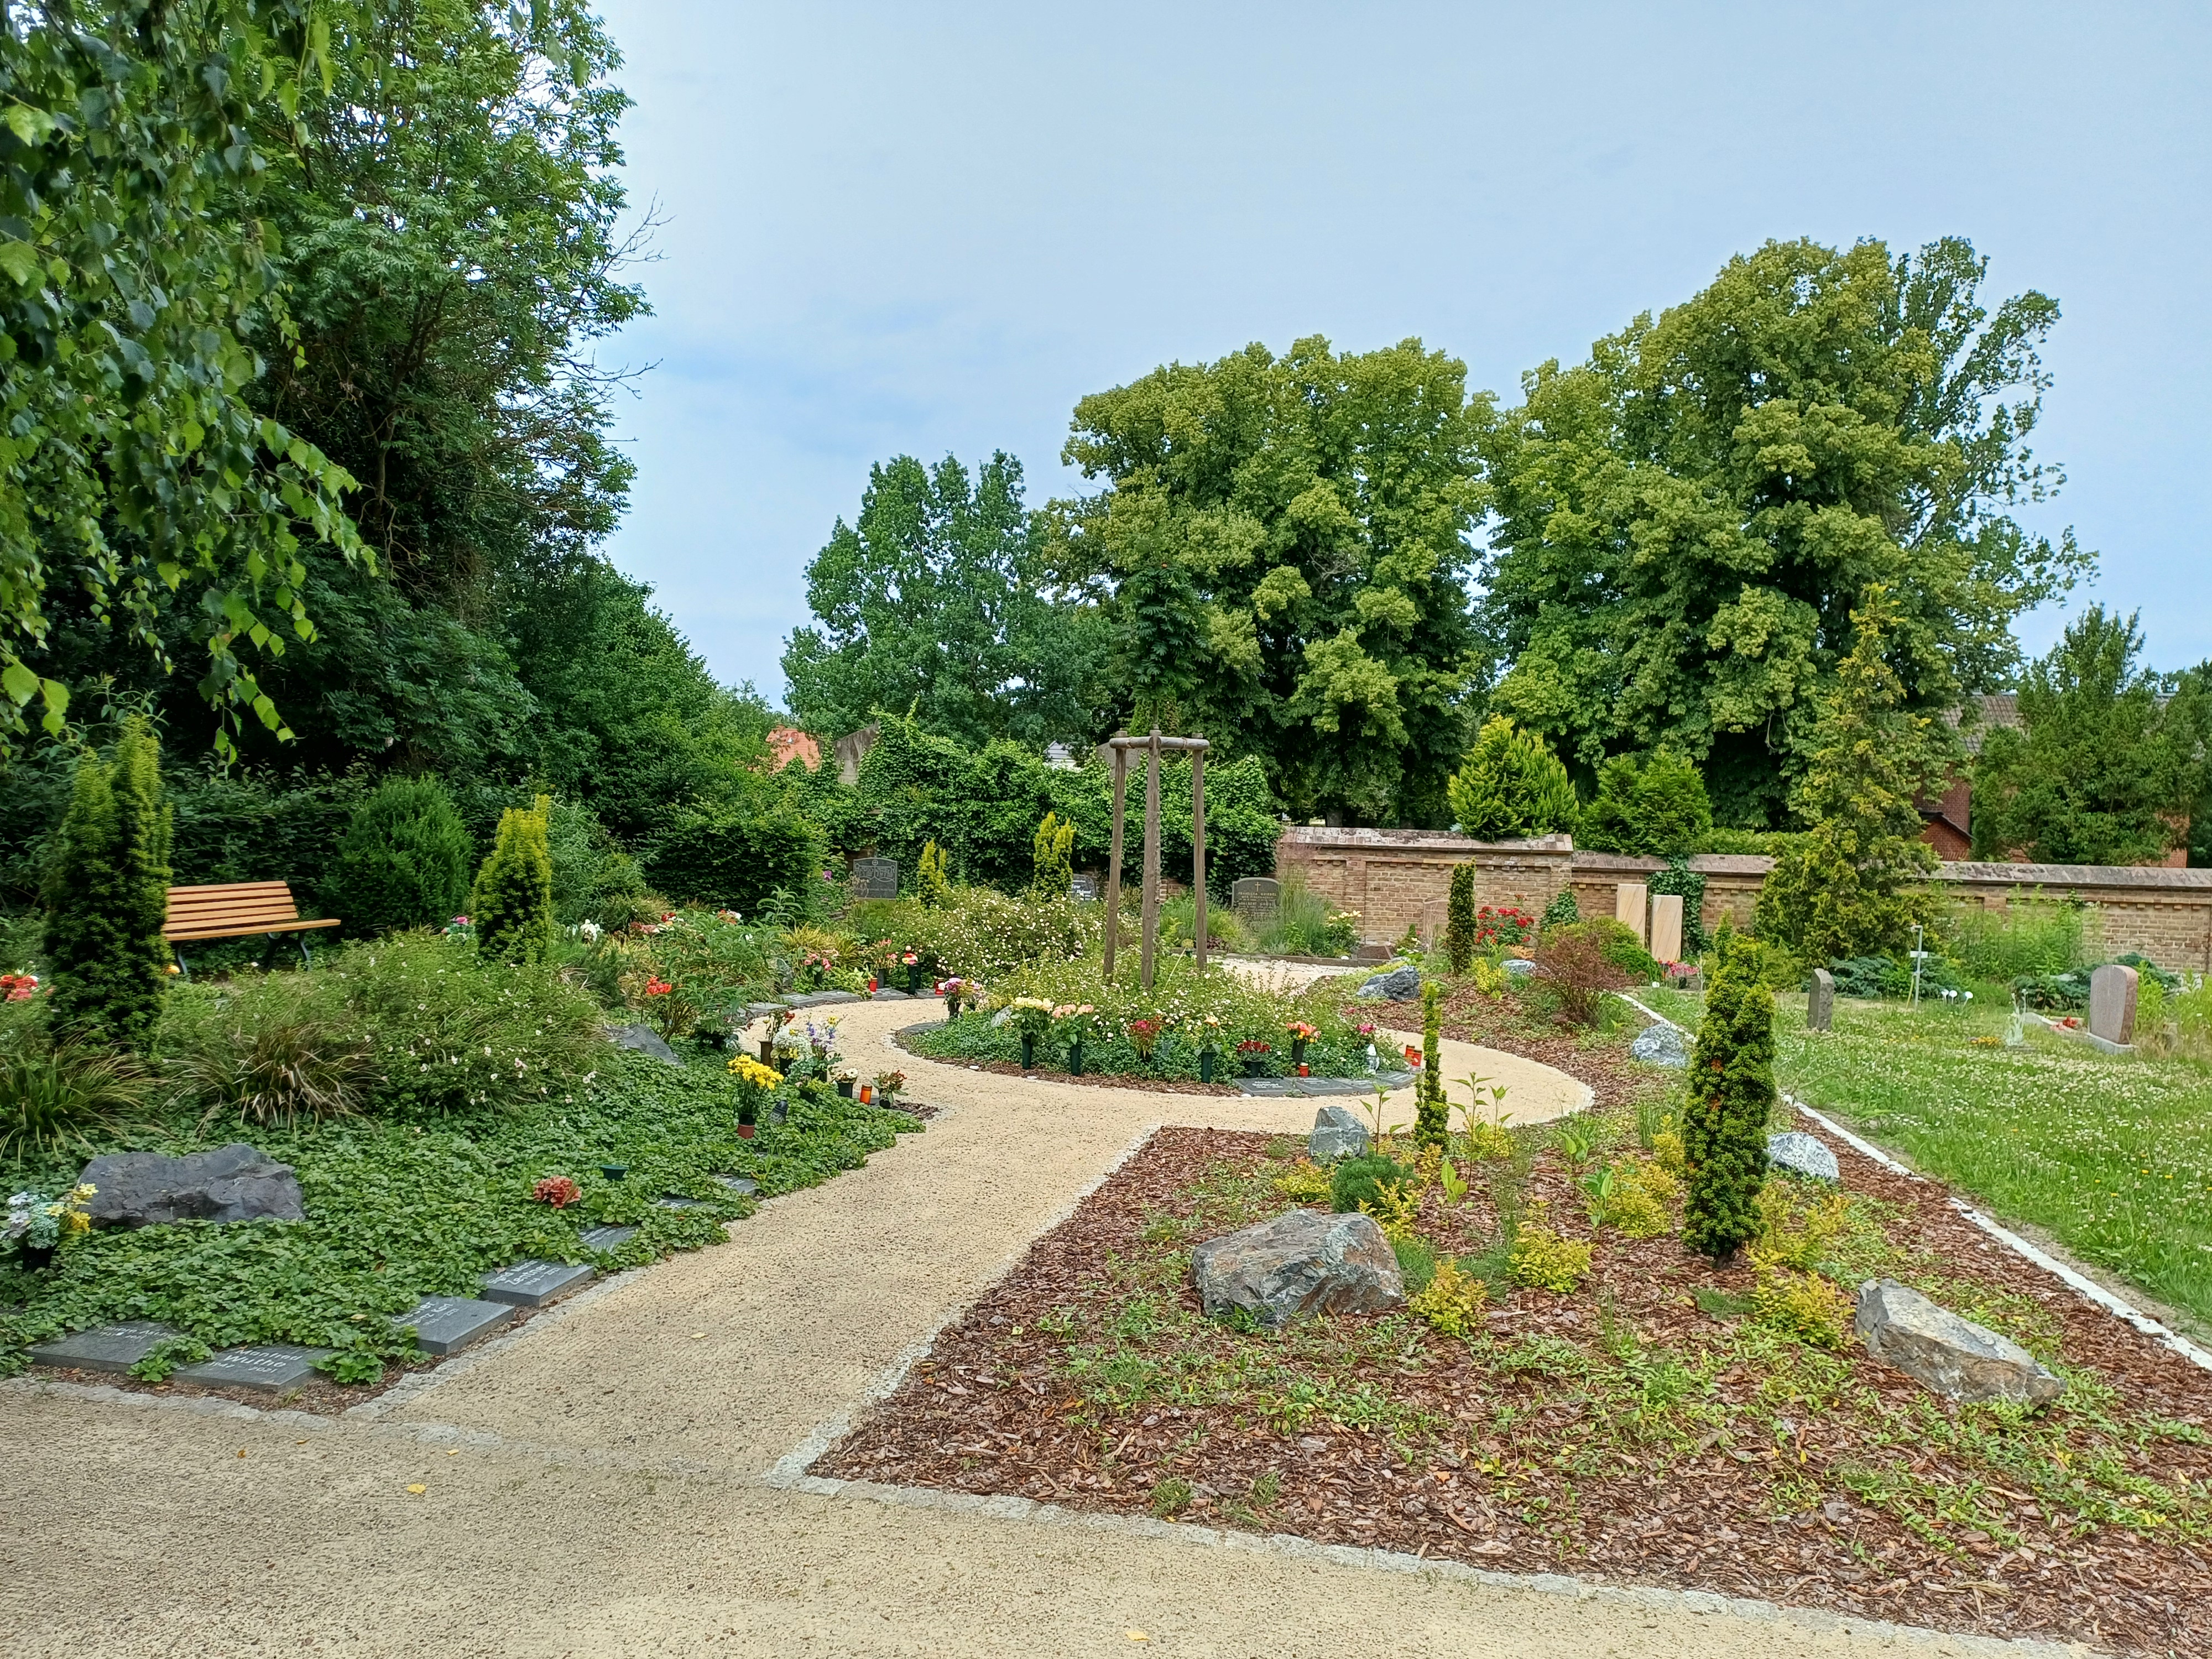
(1519,1450)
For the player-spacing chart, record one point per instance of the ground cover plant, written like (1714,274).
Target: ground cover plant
(2112,1156)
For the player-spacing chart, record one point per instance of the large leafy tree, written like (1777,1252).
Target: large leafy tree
(1684,521)
(138,286)
(934,602)
(2107,765)
(1279,548)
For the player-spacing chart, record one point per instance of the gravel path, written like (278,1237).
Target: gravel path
(619,1479)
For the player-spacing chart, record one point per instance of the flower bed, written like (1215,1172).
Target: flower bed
(1652,1426)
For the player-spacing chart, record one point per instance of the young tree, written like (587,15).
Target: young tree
(513,904)
(1459,918)
(2107,768)
(1850,888)
(1431,1111)
(1654,805)
(1053,858)
(105,894)
(1684,522)
(1511,785)
(1731,1096)
(404,861)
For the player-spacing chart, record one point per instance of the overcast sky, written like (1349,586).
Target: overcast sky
(930,229)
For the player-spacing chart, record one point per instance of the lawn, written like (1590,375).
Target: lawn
(2111,1155)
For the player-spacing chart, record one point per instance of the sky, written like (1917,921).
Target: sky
(926,229)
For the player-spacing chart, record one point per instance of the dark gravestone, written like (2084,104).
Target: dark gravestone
(1086,886)
(446,1324)
(1820,1001)
(236,1182)
(875,879)
(1256,898)
(275,1366)
(106,1348)
(605,1238)
(533,1283)
(743,1186)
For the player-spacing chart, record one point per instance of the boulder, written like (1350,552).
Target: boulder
(1399,984)
(642,1040)
(1305,1262)
(1953,1356)
(1801,1154)
(1662,1045)
(236,1182)
(1337,1133)
(1518,966)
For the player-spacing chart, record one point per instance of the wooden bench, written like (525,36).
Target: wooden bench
(238,909)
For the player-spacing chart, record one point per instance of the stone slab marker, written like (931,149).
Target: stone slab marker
(1256,898)
(2112,1004)
(275,1367)
(1628,907)
(1666,926)
(875,879)
(1820,1001)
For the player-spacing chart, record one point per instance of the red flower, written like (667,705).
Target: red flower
(657,987)
(558,1190)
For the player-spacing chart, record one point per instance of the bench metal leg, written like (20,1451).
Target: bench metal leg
(307,961)
(183,967)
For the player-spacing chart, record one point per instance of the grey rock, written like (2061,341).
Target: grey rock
(1399,984)
(1308,1088)
(1304,1261)
(1661,1045)
(1517,966)
(446,1324)
(275,1366)
(1337,1133)
(533,1283)
(1820,1001)
(642,1040)
(677,1201)
(1801,1155)
(761,1010)
(106,1348)
(888,995)
(236,1182)
(1953,1356)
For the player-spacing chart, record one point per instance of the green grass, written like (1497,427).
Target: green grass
(2111,1155)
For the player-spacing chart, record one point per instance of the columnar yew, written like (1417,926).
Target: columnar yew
(1459,918)
(1731,1095)
(513,899)
(1431,1113)
(105,893)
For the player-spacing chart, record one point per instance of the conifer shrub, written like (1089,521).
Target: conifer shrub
(404,861)
(1054,857)
(933,882)
(513,904)
(1730,1097)
(1358,1183)
(1432,1112)
(106,894)
(1511,785)
(1656,806)
(1459,918)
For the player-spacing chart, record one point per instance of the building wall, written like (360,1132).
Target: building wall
(1396,879)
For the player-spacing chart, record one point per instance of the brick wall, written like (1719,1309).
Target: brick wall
(1398,877)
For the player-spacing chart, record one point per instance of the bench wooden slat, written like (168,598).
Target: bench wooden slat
(186,936)
(236,909)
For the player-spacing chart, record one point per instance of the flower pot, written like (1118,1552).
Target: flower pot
(36,1258)
(1298,1054)
(845,1087)
(888,1102)
(779,1112)
(767,1051)
(1206,1065)
(1029,1053)
(614,1172)
(1075,1058)
(745,1132)
(1254,1066)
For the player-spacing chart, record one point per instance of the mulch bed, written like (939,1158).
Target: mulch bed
(993,1410)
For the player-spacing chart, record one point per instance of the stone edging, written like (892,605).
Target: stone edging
(2072,1278)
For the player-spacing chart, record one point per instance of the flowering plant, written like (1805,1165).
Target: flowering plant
(589,931)
(458,925)
(1302,1032)
(18,988)
(1145,1033)
(1501,924)
(1033,1015)
(1210,1029)
(1254,1046)
(657,987)
(727,916)
(1367,1028)
(36,1222)
(751,1071)
(890,1082)
(559,1191)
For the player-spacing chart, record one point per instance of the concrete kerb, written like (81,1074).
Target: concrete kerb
(2072,1278)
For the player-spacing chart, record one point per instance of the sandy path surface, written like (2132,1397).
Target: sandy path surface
(606,1482)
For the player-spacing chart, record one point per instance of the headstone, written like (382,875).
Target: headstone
(743,1186)
(1400,984)
(1084,885)
(1666,926)
(1820,1001)
(1304,1261)
(533,1283)
(642,1040)
(1801,1155)
(605,1238)
(275,1366)
(1337,1133)
(106,1348)
(875,879)
(446,1324)
(236,1182)
(1953,1356)
(1661,1045)
(1256,898)
(1628,907)
(2112,1003)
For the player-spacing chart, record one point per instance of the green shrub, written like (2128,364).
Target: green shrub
(1359,1183)
(1304,924)
(1760,843)
(738,860)
(1731,1098)
(978,933)
(1543,1259)
(593,880)
(404,861)
(1562,912)
(53,1099)
(513,904)
(279,1072)
(1689,886)
(1431,1111)
(106,893)
(2026,936)
(1656,807)
(1052,858)
(1179,925)
(1459,918)
(1511,785)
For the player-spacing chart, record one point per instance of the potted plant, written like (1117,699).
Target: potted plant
(888,1084)
(754,1080)
(1301,1033)
(1072,1020)
(37,1225)
(1252,1055)
(1033,1018)
(913,964)
(845,1084)
(1209,1047)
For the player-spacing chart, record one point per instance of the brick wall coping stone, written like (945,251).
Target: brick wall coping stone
(2152,876)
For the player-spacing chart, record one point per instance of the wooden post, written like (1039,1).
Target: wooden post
(1198,846)
(1113,860)
(1151,899)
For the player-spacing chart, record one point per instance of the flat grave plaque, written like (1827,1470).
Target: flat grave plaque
(105,1348)
(273,1366)
(446,1324)
(533,1283)
(677,1201)
(605,1238)
(743,1186)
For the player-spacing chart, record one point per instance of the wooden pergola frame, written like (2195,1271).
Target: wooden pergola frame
(1152,744)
